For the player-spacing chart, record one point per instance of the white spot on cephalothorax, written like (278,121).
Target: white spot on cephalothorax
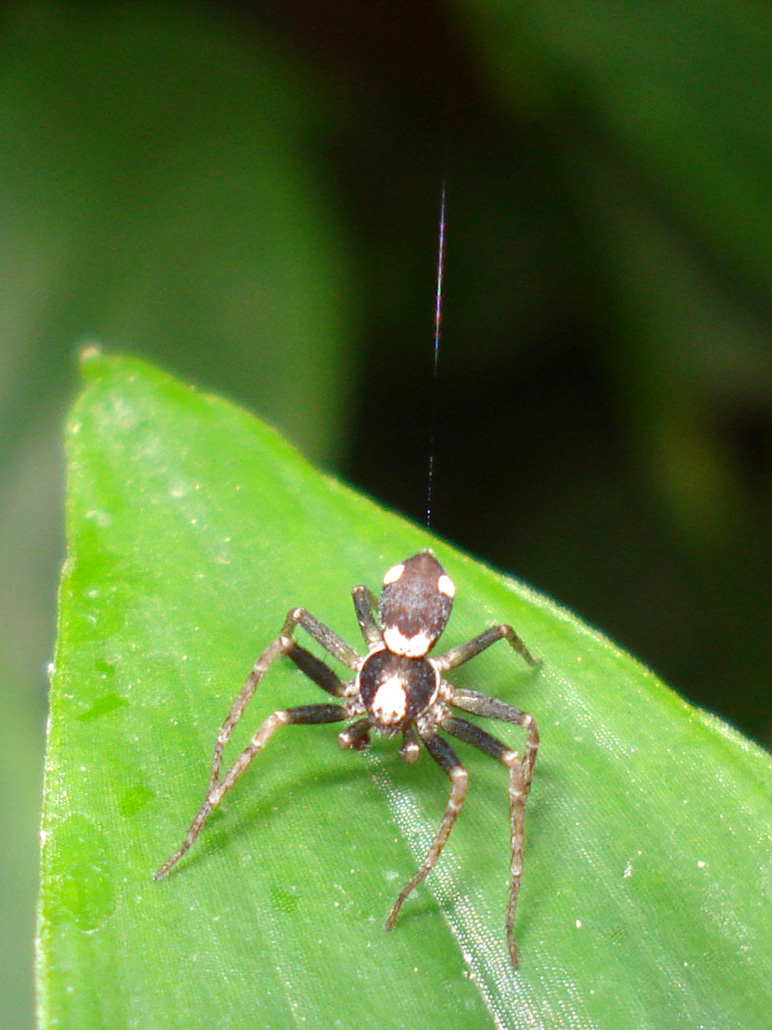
(389,704)
(411,647)
(393,574)
(446,586)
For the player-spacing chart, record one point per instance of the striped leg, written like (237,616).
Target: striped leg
(306,662)
(444,755)
(365,605)
(309,714)
(463,652)
(492,708)
(518,791)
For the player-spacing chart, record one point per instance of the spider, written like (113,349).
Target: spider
(396,689)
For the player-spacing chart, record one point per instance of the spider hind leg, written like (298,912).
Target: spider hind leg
(520,772)
(444,755)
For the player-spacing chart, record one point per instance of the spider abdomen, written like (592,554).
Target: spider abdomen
(395,689)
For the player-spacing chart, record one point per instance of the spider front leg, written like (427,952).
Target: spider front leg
(310,665)
(518,792)
(308,714)
(444,755)
(315,669)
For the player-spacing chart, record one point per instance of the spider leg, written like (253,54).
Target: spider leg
(366,605)
(518,792)
(313,667)
(463,652)
(356,736)
(308,714)
(492,708)
(306,662)
(444,755)
(411,746)
(323,635)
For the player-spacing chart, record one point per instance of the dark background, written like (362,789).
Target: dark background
(249,193)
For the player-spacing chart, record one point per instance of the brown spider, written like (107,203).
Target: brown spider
(396,689)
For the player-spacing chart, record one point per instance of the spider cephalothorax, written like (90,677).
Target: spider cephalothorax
(397,688)
(396,683)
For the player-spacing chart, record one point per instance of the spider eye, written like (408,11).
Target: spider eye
(415,604)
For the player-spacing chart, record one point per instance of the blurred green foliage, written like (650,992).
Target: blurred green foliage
(249,196)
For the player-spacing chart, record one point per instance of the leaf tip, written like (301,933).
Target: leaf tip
(90,358)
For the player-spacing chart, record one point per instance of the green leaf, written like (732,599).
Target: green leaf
(192,529)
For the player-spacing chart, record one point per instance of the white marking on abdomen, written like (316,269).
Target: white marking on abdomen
(389,705)
(411,647)
(393,574)
(446,586)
